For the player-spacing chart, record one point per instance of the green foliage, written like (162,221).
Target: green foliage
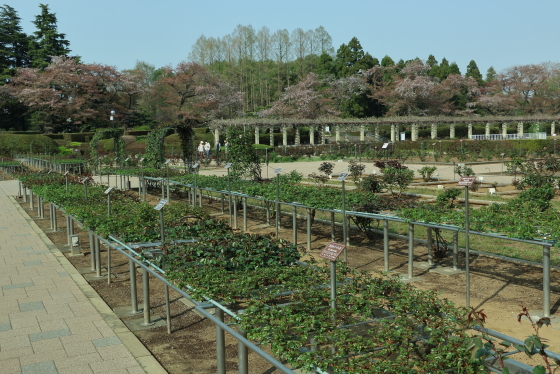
(115,134)
(464,171)
(11,143)
(245,161)
(447,197)
(63,151)
(426,172)
(397,178)
(154,156)
(356,169)
(46,41)
(538,197)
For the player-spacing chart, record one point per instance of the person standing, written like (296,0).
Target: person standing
(207,149)
(201,150)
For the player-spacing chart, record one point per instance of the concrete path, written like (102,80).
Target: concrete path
(51,320)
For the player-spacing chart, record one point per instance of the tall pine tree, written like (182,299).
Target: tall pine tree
(490,74)
(351,58)
(46,41)
(13,43)
(472,71)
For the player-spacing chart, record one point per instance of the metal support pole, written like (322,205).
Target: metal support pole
(235,213)
(161,226)
(332,227)
(309,229)
(92,250)
(386,244)
(410,249)
(294,224)
(31,200)
(133,294)
(146,290)
(546,281)
(277,203)
(430,246)
(223,204)
(24,194)
(242,354)
(69,229)
(344,222)
(55,221)
(467,257)
(97,255)
(244,214)
(220,343)
(167,308)
(267,207)
(455,248)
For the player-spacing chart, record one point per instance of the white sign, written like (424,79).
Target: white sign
(142,159)
(108,190)
(128,158)
(167,161)
(228,165)
(161,204)
(385,145)
(195,165)
(66,173)
(403,136)
(492,191)
(277,170)
(343,176)
(85,180)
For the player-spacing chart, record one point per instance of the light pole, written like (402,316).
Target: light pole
(461,145)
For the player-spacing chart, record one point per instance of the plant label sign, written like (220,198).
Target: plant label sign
(466,181)
(142,159)
(167,161)
(128,158)
(332,251)
(277,170)
(343,176)
(161,204)
(66,173)
(85,180)
(108,190)
(195,165)
(228,165)
(385,145)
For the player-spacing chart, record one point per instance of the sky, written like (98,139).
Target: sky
(496,33)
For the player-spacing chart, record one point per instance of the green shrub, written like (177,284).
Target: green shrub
(10,143)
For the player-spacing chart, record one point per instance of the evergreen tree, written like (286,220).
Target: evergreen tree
(472,71)
(324,65)
(46,41)
(443,70)
(434,66)
(351,58)
(387,62)
(454,69)
(13,43)
(490,74)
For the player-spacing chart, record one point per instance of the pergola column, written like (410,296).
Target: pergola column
(284,135)
(452,131)
(552,128)
(469,126)
(487,131)
(312,135)
(298,136)
(362,133)
(216,136)
(504,130)
(271,130)
(434,130)
(393,131)
(414,132)
(520,130)
(322,134)
(337,133)
(377,132)
(257,135)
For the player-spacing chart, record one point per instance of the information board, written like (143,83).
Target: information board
(332,251)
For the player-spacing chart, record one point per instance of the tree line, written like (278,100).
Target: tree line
(257,73)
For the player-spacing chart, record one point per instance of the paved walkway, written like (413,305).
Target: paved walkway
(51,320)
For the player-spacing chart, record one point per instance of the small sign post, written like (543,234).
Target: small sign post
(342,177)
(277,172)
(159,207)
(108,193)
(195,195)
(66,177)
(142,182)
(84,181)
(227,166)
(331,252)
(467,182)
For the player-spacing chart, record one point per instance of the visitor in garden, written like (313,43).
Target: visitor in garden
(207,149)
(201,150)
(218,148)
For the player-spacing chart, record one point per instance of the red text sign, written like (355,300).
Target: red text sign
(466,181)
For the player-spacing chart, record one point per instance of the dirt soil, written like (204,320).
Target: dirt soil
(498,287)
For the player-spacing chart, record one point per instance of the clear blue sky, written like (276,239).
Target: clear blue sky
(495,33)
